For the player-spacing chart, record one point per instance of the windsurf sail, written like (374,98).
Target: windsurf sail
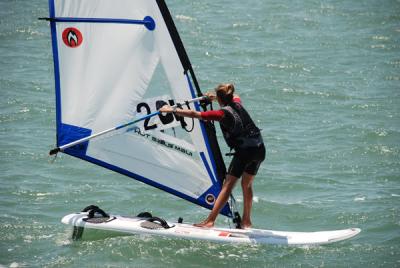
(117,60)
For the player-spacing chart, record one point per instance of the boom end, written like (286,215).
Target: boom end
(54,151)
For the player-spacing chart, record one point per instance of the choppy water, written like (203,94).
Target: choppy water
(320,77)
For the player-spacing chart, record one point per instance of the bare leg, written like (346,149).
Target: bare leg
(223,197)
(247,187)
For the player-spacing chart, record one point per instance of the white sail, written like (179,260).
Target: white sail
(114,59)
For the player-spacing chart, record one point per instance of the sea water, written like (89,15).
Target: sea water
(322,80)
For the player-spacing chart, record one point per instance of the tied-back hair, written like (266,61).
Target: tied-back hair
(225,92)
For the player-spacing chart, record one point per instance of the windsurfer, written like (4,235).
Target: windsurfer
(242,135)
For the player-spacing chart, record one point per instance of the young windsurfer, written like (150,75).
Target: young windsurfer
(242,135)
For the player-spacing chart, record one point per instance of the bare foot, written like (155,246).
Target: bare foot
(245,225)
(206,224)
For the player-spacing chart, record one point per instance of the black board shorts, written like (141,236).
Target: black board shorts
(247,160)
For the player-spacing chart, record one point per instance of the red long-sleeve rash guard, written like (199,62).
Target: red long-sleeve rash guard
(216,115)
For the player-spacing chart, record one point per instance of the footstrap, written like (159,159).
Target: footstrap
(163,223)
(92,209)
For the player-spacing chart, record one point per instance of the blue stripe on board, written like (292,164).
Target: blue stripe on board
(199,201)
(203,131)
(56,67)
(148,21)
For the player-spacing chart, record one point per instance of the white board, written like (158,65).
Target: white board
(133,225)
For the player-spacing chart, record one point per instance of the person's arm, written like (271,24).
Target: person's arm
(180,112)
(214,115)
(209,115)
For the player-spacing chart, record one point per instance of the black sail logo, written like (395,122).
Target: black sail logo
(72,37)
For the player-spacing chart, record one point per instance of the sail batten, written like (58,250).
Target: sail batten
(108,73)
(147,21)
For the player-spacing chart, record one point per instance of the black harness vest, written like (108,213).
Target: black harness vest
(238,128)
